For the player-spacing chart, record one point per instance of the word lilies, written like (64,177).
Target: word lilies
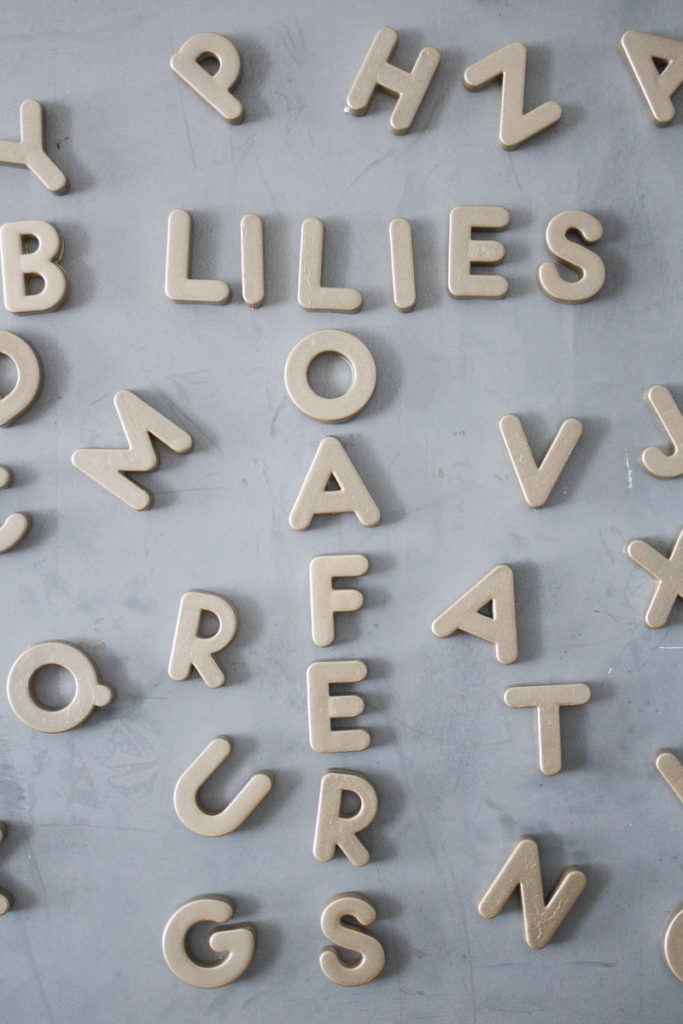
(464,253)
(335,829)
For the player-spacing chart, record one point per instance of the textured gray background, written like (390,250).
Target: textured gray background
(96,858)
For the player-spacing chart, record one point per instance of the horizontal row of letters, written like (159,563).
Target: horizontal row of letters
(31,251)
(347,916)
(464,253)
(142,423)
(643,53)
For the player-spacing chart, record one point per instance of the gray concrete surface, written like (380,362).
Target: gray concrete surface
(95,856)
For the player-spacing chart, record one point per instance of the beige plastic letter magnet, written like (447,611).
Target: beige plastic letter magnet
(185,796)
(402,264)
(324,706)
(326,599)
(108,466)
(193,650)
(238,943)
(537,482)
(672,941)
(500,629)
(463,251)
(377,73)
(23,394)
(586,263)
(547,700)
(30,150)
(665,465)
(640,51)
(331,462)
(312,295)
(334,829)
(668,573)
(515,126)
(671,770)
(347,936)
(27,387)
(363,376)
(16,526)
(253,271)
(90,693)
(180,286)
(6,900)
(214,89)
(18,265)
(523,869)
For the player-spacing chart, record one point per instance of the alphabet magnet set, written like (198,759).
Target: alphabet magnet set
(376,711)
